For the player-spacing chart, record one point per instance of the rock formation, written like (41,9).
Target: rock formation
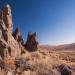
(12,46)
(7,18)
(11,43)
(17,36)
(31,43)
(7,41)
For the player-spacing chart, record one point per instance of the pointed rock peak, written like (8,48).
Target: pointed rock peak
(17,31)
(30,33)
(7,9)
(8,6)
(6,18)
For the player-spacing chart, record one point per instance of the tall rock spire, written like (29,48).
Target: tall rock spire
(6,38)
(7,17)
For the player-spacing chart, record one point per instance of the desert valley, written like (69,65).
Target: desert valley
(29,58)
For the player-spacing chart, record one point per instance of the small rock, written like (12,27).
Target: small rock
(9,73)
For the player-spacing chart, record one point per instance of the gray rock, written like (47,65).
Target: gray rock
(64,70)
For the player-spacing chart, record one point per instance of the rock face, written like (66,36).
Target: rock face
(7,41)
(11,43)
(31,43)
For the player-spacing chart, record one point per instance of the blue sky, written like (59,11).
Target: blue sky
(53,20)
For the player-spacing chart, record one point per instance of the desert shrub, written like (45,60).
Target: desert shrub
(41,68)
(22,64)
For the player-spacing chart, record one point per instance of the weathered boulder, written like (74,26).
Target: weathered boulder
(31,43)
(64,70)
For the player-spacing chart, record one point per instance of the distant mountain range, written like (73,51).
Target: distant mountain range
(59,47)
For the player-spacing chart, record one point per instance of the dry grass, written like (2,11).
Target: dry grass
(44,62)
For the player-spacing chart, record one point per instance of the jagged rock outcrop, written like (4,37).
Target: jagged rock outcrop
(17,36)
(31,43)
(6,37)
(6,18)
(12,43)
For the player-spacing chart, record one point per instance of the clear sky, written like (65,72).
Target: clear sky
(53,20)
